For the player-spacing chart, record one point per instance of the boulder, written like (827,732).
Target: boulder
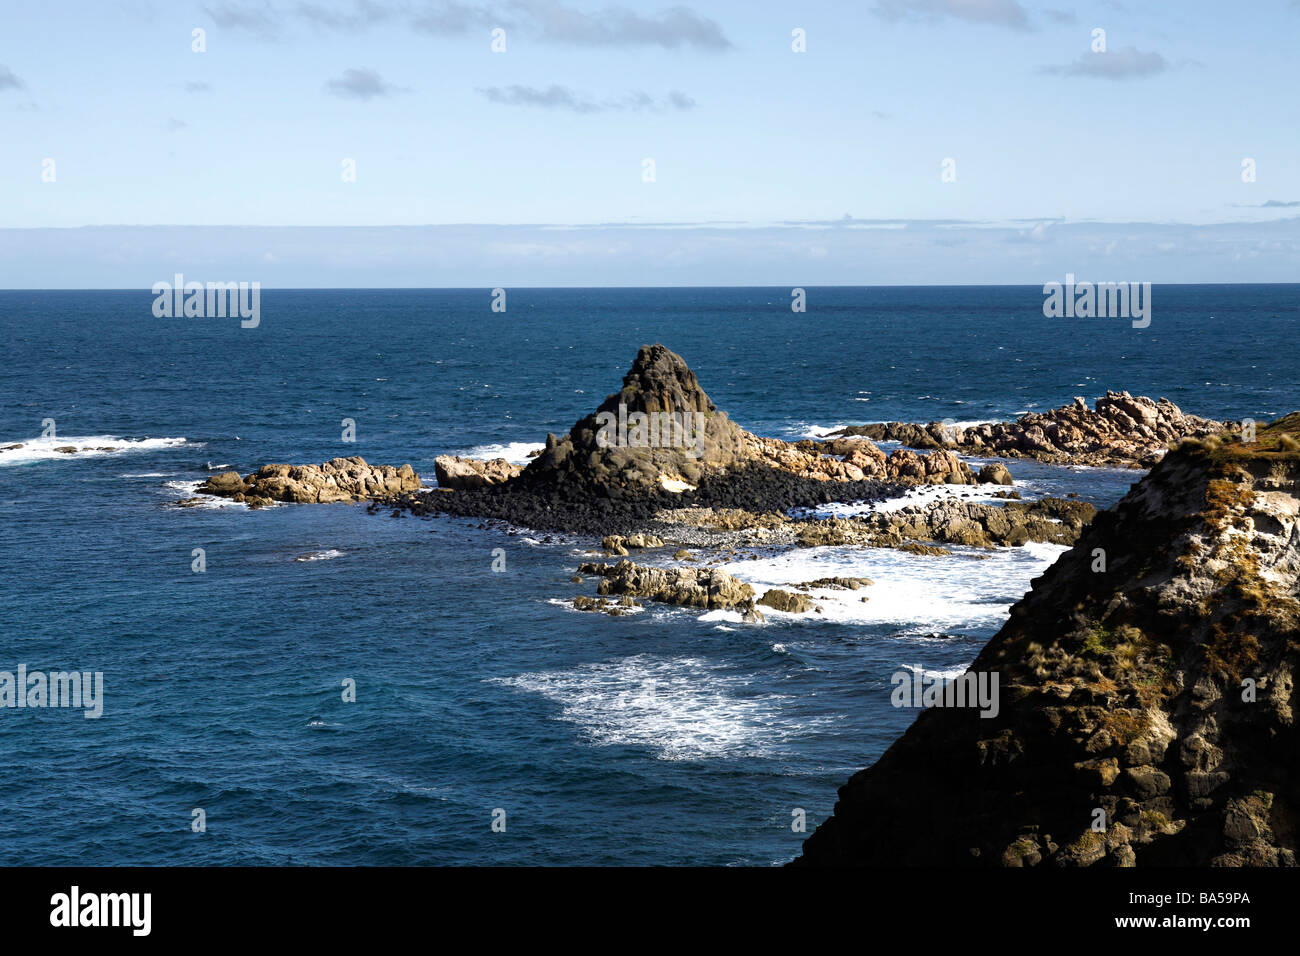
(455,472)
(995,474)
(785,601)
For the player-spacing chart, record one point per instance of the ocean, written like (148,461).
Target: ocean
(668,736)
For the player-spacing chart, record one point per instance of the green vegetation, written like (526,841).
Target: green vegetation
(1276,440)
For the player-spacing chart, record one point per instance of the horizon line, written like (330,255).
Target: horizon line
(578,288)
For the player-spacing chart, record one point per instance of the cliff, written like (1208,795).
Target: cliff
(1145,683)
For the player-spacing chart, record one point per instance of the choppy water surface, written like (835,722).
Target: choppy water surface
(662,737)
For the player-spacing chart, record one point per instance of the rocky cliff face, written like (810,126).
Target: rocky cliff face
(1146,712)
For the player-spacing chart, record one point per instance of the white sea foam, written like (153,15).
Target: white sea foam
(682,708)
(921,593)
(733,617)
(919,495)
(568,605)
(326,555)
(933,675)
(189,490)
(515,452)
(87,446)
(819,432)
(815,432)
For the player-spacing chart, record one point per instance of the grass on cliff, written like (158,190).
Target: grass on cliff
(1278,440)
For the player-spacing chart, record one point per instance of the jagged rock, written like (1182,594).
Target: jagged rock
(455,472)
(690,587)
(1158,689)
(858,460)
(1123,430)
(339,479)
(954,521)
(660,423)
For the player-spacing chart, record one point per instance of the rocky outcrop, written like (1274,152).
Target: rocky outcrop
(954,521)
(660,442)
(1145,683)
(660,424)
(859,460)
(456,472)
(339,479)
(1121,431)
(707,588)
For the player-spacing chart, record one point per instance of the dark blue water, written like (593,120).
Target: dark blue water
(662,737)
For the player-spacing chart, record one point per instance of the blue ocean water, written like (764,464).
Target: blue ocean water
(665,737)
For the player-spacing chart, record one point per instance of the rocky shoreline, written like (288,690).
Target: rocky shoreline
(1121,431)
(1122,670)
(1147,687)
(658,457)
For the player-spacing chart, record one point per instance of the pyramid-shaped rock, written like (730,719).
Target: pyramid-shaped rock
(659,426)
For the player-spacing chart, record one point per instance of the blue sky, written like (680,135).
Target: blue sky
(1050,141)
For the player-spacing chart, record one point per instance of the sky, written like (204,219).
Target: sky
(911,141)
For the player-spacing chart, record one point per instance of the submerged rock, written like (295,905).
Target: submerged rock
(836,584)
